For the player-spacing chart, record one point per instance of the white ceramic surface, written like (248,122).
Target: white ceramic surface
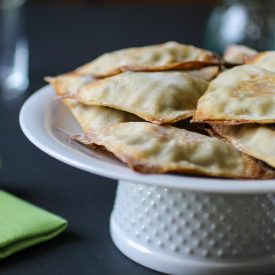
(190,233)
(49,125)
(173,223)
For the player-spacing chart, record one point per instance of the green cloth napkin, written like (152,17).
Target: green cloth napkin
(23,224)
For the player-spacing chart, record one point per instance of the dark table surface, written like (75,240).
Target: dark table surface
(61,39)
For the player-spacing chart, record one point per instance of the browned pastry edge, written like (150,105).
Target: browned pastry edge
(211,131)
(228,65)
(184,65)
(232,122)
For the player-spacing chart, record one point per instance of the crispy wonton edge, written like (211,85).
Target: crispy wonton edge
(184,65)
(232,121)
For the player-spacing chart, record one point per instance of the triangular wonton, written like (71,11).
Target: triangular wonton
(244,94)
(159,97)
(265,60)
(150,148)
(167,56)
(89,117)
(253,139)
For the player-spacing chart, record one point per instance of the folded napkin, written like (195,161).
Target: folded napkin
(23,224)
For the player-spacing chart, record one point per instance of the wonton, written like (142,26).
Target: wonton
(89,117)
(244,94)
(159,97)
(167,56)
(253,139)
(150,148)
(236,53)
(265,60)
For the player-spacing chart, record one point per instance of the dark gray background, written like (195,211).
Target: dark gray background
(61,39)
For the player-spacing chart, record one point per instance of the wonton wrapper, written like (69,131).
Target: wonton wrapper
(159,97)
(244,94)
(265,60)
(236,53)
(89,117)
(150,148)
(168,56)
(253,139)
(207,73)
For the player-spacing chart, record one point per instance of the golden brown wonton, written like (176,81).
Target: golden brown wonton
(159,97)
(244,94)
(265,60)
(236,53)
(150,148)
(89,117)
(253,139)
(167,56)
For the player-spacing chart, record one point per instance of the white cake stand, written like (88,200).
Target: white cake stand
(172,223)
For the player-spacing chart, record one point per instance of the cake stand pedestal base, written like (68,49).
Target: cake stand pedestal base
(190,233)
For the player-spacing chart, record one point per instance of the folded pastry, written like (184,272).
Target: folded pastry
(89,117)
(236,53)
(150,148)
(159,97)
(253,139)
(168,56)
(265,60)
(207,73)
(244,94)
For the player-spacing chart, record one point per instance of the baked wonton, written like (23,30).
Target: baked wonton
(207,73)
(150,148)
(168,56)
(89,117)
(244,94)
(236,53)
(265,60)
(159,97)
(253,139)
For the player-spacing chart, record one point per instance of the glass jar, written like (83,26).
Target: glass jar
(246,22)
(13,49)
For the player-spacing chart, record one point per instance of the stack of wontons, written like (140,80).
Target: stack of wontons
(138,102)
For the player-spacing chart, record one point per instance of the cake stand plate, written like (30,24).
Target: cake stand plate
(172,223)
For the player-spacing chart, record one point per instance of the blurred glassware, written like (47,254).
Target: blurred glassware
(14,52)
(247,22)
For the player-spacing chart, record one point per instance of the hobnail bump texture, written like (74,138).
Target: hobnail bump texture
(196,226)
